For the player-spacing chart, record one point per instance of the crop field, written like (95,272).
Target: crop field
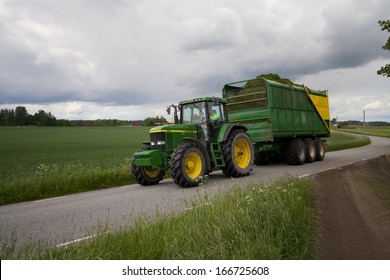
(341,140)
(42,162)
(382,131)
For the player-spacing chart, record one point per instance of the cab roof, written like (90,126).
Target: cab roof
(204,99)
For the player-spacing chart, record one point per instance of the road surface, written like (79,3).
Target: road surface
(72,218)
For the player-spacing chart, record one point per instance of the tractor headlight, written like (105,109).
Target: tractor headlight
(160,142)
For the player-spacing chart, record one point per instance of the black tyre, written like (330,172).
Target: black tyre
(262,159)
(187,165)
(295,152)
(238,154)
(310,149)
(320,149)
(144,175)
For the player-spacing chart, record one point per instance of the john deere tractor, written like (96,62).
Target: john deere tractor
(200,141)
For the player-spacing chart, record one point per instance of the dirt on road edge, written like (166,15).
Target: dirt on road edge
(353,218)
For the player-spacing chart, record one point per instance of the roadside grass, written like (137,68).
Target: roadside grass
(340,140)
(43,162)
(382,131)
(257,221)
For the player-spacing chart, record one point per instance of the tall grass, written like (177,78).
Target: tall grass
(258,221)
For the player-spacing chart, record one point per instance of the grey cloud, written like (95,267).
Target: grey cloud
(155,52)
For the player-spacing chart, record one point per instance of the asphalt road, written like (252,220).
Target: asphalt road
(72,218)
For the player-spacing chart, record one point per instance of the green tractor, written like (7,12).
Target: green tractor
(201,140)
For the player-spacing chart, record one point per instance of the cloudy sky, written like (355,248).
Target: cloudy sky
(128,59)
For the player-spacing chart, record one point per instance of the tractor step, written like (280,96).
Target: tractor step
(217,155)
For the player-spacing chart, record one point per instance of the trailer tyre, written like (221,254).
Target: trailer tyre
(261,159)
(320,149)
(144,175)
(311,151)
(295,152)
(238,154)
(187,165)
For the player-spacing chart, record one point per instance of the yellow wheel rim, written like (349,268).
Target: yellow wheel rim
(193,165)
(242,153)
(152,173)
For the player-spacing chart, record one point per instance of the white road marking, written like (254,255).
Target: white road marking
(304,175)
(48,199)
(79,240)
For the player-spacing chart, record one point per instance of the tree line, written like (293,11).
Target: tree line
(20,117)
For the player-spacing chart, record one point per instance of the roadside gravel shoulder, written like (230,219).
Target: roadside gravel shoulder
(353,204)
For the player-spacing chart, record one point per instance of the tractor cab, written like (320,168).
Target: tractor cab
(208,114)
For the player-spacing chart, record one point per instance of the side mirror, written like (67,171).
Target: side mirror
(169,110)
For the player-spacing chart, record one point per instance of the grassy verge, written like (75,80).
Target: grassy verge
(340,140)
(257,221)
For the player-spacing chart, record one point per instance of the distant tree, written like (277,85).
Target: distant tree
(21,115)
(154,121)
(385,70)
(63,122)
(7,117)
(44,119)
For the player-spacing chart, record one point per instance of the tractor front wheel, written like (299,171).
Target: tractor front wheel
(187,165)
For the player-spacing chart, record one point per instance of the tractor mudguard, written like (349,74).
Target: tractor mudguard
(150,158)
(226,129)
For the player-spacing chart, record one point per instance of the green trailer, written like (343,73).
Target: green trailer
(282,119)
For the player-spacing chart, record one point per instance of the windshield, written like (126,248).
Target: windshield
(193,113)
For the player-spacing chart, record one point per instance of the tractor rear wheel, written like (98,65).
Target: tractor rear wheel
(145,175)
(187,165)
(238,154)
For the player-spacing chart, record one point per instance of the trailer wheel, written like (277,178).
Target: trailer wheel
(295,152)
(310,150)
(261,159)
(144,175)
(187,165)
(238,155)
(320,149)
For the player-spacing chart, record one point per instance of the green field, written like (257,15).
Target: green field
(42,162)
(341,140)
(382,131)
